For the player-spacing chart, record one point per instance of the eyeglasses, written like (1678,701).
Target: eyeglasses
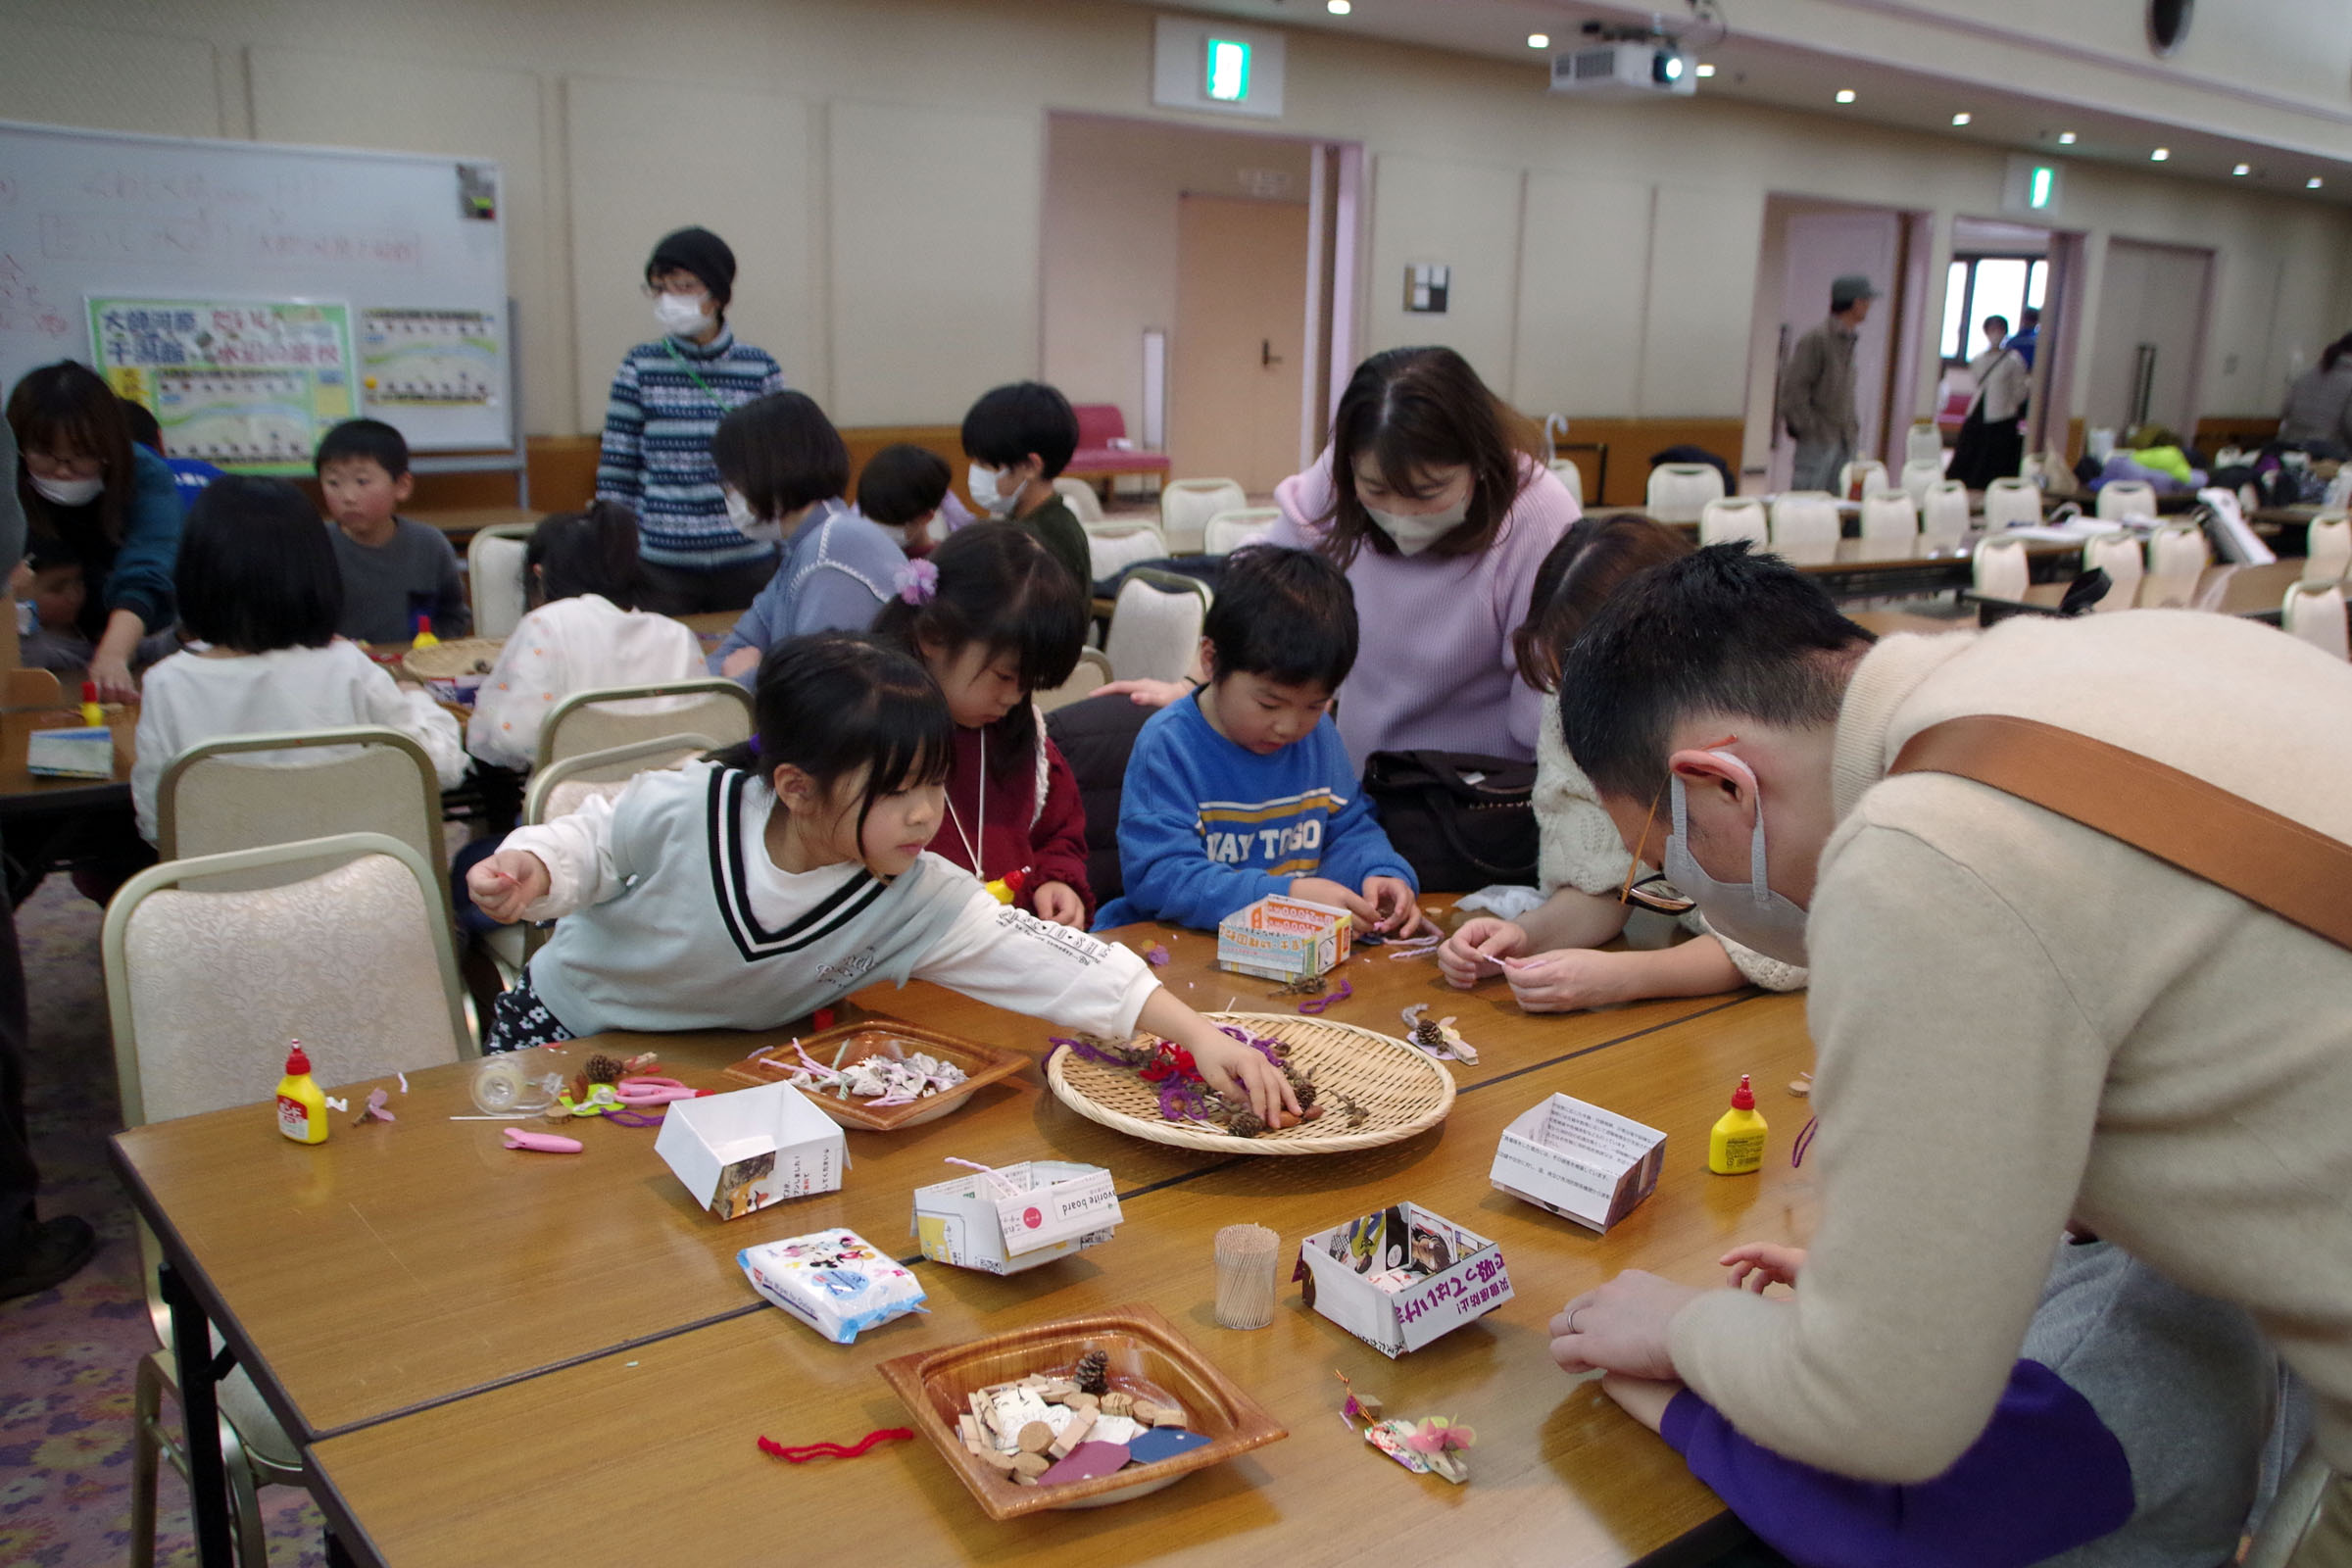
(1654,892)
(675,285)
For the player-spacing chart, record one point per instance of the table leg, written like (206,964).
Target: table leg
(207,1477)
(338,1555)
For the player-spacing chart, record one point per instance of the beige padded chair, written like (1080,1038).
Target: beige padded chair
(2329,546)
(1869,471)
(2120,498)
(222,795)
(1943,515)
(1228,531)
(1569,475)
(1092,676)
(2314,610)
(1679,492)
(1889,517)
(1918,474)
(1084,504)
(1734,517)
(1805,517)
(203,989)
(1187,505)
(557,789)
(1923,443)
(604,717)
(1112,547)
(1156,625)
(494,577)
(1999,568)
(2118,555)
(2178,550)
(2011,504)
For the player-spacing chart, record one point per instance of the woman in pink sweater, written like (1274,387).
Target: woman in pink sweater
(1440,515)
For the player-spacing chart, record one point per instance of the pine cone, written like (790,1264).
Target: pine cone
(1093,1368)
(1245,1124)
(604,1069)
(1427,1036)
(1304,1088)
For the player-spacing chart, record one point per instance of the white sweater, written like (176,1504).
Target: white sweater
(2018,1018)
(1582,849)
(572,645)
(191,697)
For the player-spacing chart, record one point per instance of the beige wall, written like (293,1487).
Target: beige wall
(880,164)
(1112,190)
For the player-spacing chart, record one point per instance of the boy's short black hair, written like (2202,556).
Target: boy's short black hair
(901,482)
(1011,422)
(1719,632)
(1286,614)
(257,571)
(781,452)
(144,430)
(371,439)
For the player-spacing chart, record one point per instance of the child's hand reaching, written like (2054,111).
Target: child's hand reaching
(1756,1264)
(1478,950)
(1229,1067)
(1392,903)
(1060,904)
(507,883)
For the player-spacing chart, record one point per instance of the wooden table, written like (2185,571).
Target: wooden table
(2256,593)
(1559,1475)
(46,822)
(398,1268)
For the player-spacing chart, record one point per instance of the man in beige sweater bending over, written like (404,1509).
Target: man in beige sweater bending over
(2017,1017)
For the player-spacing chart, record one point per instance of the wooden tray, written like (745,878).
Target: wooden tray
(1404,1091)
(1147,1356)
(982,1065)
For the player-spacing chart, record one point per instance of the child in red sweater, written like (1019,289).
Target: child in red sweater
(994,617)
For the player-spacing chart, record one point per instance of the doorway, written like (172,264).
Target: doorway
(1240,348)
(1807,246)
(2148,349)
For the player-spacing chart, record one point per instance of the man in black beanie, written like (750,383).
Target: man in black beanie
(668,399)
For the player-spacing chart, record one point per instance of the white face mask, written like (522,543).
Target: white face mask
(68,492)
(1749,913)
(681,315)
(985,496)
(749,523)
(1413,532)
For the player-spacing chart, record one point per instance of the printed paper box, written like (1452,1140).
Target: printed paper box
(1056,1209)
(1580,1161)
(1443,1277)
(745,1150)
(1281,938)
(71,752)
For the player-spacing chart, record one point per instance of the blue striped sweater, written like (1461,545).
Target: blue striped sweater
(668,398)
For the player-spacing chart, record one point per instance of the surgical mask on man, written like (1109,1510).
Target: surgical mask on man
(1749,913)
(984,483)
(1415,532)
(681,315)
(749,523)
(68,492)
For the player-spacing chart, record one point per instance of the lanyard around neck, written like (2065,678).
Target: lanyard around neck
(694,375)
(970,848)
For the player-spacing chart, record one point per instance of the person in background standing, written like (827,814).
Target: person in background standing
(2029,334)
(1990,444)
(1817,388)
(668,399)
(2318,402)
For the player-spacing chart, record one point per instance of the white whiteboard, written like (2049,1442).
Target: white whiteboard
(90,213)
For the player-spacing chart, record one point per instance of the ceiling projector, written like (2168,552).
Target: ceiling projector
(1624,68)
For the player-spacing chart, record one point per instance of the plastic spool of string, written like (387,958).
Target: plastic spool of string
(1246,1275)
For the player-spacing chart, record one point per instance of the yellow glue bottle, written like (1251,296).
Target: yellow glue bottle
(92,716)
(1735,1148)
(301,1105)
(424,633)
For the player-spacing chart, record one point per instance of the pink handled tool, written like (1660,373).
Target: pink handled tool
(650,1091)
(542,1143)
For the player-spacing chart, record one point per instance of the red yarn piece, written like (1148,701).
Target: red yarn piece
(832,1450)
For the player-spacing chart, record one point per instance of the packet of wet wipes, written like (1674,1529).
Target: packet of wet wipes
(836,1281)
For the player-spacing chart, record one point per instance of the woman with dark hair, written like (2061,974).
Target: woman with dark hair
(1990,444)
(93,497)
(258,588)
(583,581)
(1548,954)
(2318,402)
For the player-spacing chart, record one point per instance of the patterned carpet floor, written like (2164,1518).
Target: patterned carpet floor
(66,1357)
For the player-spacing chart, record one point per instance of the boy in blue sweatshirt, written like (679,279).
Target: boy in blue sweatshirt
(1244,789)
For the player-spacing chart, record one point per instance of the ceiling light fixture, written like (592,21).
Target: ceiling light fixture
(1961,118)
(2313,183)
(1707,71)
(2066,138)
(1538,40)
(2160,155)
(2244,169)
(1338,7)
(1845,95)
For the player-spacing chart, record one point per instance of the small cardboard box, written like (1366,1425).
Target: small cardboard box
(1060,1209)
(742,1150)
(1281,938)
(1580,1161)
(71,752)
(1464,1276)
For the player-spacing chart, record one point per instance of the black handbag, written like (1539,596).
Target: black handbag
(1461,822)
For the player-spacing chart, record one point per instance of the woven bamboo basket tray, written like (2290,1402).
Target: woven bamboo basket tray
(1404,1091)
(453,658)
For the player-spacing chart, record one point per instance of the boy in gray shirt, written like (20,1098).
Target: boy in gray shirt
(394,570)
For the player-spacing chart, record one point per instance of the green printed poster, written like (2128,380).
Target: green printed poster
(248,387)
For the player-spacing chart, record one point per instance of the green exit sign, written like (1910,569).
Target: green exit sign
(2041,185)
(1228,71)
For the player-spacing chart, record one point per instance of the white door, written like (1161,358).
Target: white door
(2148,336)
(1818,249)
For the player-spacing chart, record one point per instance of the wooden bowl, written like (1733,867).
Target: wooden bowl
(1148,1357)
(981,1065)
